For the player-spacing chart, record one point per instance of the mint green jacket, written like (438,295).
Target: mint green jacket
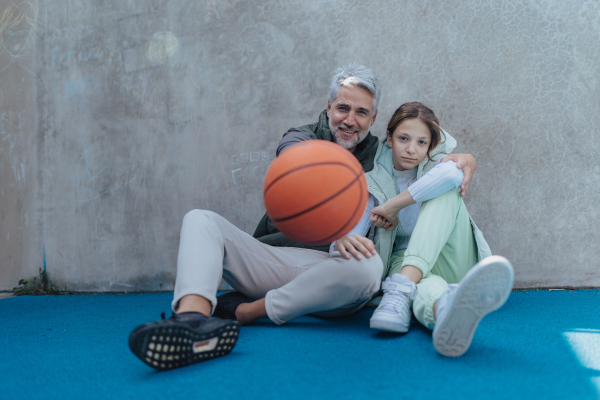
(383,186)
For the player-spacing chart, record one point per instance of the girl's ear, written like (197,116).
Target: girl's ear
(389,139)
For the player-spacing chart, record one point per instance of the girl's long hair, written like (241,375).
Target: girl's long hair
(414,110)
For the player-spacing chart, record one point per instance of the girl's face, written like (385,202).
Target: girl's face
(409,143)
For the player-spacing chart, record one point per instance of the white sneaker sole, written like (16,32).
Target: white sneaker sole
(485,288)
(388,325)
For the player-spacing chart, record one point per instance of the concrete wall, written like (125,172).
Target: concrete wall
(118,117)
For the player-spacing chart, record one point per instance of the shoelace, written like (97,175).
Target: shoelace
(395,299)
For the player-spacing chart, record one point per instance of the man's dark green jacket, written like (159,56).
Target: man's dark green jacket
(364,152)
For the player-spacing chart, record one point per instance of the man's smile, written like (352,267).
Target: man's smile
(348,132)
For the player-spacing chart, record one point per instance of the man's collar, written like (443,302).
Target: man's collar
(364,148)
(324,130)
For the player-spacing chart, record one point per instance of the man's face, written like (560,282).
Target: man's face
(350,116)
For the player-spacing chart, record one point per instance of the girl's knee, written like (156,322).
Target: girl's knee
(449,199)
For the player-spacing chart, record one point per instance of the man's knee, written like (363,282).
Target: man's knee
(374,267)
(196,215)
(364,274)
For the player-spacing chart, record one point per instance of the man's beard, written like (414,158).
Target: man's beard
(345,144)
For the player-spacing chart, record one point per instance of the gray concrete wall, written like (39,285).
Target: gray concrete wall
(118,117)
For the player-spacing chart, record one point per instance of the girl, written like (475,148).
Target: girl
(425,237)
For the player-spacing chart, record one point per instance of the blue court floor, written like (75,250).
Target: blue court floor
(540,345)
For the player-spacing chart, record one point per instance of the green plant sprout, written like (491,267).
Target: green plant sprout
(38,286)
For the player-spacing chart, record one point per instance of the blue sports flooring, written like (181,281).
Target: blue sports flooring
(540,345)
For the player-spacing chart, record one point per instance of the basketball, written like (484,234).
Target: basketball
(315,192)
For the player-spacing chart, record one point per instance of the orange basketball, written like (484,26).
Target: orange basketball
(315,192)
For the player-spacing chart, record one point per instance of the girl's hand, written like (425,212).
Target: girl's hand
(355,245)
(380,222)
(381,217)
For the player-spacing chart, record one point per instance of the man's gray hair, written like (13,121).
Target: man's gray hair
(355,74)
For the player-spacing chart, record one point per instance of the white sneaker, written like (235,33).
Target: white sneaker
(485,288)
(393,313)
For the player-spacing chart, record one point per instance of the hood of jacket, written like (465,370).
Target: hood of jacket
(364,151)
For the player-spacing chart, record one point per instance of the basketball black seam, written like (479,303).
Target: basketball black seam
(333,236)
(350,157)
(322,202)
(303,167)
(319,204)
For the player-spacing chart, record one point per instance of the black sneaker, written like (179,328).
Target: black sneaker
(227,304)
(183,339)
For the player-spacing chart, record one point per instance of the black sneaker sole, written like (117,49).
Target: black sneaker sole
(177,345)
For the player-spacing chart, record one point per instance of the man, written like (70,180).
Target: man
(279,283)
(346,121)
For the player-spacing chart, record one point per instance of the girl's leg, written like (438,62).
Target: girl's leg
(443,248)
(442,242)
(461,307)
(442,245)
(393,313)
(429,290)
(397,266)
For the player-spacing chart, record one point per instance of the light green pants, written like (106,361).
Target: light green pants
(442,246)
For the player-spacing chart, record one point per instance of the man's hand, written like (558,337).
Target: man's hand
(384,217)
(355,245)
(467,163)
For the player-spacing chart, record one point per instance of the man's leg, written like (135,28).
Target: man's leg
(247,313)
(326,286)
(200,261)
(210,247)
(360,280)
(287,282)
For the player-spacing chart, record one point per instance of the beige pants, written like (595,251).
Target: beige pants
(293,281)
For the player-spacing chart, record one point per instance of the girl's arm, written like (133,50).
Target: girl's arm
(442,178)
(466,163)
(355,242)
